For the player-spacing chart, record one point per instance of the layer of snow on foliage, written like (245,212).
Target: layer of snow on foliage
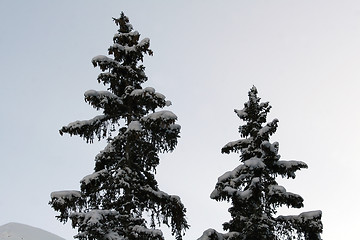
(62,195)
(210,233)
(134,126)
(168,103)
(264,130)
(310,215)
(161,194)
(144,42)
(149,91)
(102,94)
(17,231)
(95,93)
(241,113)
(231,174)
(291,164)
(273,147)
(255,163)
(214,194)
(244,194)
(176,127)
(276,189)
(238,142)
(164,114)
(66,194)
(95,216)
(226,176)
(110,147)
(153,232)
(87,179)
(114,236)
(81,123)
(134,48)
(137,92)
(133,33)
(303,217)
(102,58)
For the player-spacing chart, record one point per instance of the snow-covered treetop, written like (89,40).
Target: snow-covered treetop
(253,131)
(125,98)
(122,189)
(252,187)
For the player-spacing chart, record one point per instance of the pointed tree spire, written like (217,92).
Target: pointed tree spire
(115,199)
(252,187)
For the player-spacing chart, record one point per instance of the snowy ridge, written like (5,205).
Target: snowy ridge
(18,231)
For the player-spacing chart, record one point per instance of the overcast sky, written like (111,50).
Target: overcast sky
(303,56)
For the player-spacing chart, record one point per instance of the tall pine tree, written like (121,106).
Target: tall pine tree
(121,199)
(252,187)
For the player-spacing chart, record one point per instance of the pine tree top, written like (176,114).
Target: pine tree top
(113,200)
(252,187)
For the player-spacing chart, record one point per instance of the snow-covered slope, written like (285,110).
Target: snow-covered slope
(18,231)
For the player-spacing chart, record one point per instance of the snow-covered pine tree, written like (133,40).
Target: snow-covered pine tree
(121,199)
(252,187)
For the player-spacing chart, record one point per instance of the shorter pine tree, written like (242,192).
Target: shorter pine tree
(121,199)
(252,187)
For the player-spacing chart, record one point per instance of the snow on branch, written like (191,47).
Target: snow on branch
(236,146)
(95,216)
(271,148)
(255,163)
(161,130)
(212,234)
(87,128)
(228,184)
(114,236)
(105,63)
(148,91)
(241,113)
(109,102)
(169,208)
(269,128)
(303,217)
(233,178)
(146,232)
(288,168)
(65,202)
(308,223)
(62,196)
(278,194)
(134,126)
(103,96)
(108,155)
(94,222)
(160,115)
(133,49)
(94,176)
(132,34)
(162,196)
(149,98)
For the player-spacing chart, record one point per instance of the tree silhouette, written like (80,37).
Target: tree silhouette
(252,187)
(114,200)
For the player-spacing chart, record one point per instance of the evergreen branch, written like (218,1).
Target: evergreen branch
(88,129)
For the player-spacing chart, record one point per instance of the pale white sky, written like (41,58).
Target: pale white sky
(303,57)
